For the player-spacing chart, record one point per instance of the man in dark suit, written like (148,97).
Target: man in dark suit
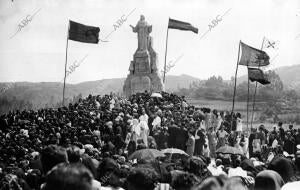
(181,138)
(172,130)
(200,141)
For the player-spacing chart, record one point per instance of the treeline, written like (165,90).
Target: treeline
(7,104)
(275,100)
(25,103)
(215,88)
(274,97)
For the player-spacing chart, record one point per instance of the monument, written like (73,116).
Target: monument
(143,70)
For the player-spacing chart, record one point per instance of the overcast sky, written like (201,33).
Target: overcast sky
(37,52)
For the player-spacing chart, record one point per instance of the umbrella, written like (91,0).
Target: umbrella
(158,95)
(24,121)
(229,150)
(197,158)
(146,154)
(174,151)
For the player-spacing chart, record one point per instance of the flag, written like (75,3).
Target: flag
(270,44)
(256,74)
(253,57)
(176,24)
(83,33)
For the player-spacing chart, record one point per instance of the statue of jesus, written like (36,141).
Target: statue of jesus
(143,30)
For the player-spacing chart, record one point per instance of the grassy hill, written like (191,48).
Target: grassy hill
(289,75)
(51,92)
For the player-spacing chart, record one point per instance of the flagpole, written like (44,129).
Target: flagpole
(234,91)
(63,101)
(254,96)
(248,97)
(165,66)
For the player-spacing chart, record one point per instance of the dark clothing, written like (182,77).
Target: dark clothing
(283,166)
(172,136)
(181,138)
(234,124)
(118,130)
(36,164)
(199,143)
(161,139)
(297,139)
(289,145)
(131,147)
(86,139)
(252,137)
(281,134)
(150,120)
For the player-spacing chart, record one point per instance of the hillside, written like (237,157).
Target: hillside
(181,81)
(51,92)
(289,75)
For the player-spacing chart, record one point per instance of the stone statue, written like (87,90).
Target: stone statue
(153,55)
(143,30)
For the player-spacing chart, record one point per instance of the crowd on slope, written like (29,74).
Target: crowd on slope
(87,145)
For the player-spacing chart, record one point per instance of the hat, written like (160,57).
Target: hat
(287,154)
(159,112)
(268,179)
(88,146)
(118,118)
(109,123)
(35,154)
(283,166)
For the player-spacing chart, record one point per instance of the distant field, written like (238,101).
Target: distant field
(238,107)
(218,104)
(223,105)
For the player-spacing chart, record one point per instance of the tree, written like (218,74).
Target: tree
(214,82)
(274,90)
(276,82)
(272,95)
(242,91)
(292,95)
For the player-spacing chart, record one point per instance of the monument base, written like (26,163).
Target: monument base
(142,82)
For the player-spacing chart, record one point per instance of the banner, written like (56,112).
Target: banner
(258,75)
(83,33)
(253,57)
(176,24)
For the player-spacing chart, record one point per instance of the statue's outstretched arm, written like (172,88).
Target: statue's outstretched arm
(134,29)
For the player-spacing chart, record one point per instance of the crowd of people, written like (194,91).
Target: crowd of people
(93,144)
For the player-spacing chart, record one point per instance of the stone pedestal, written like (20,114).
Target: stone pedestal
(143,76)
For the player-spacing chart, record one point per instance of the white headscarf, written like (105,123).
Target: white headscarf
(136,127)
(144,132)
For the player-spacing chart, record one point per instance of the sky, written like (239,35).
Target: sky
(37,53)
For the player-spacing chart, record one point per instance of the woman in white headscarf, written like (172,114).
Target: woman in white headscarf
(144,132)
(136,130)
